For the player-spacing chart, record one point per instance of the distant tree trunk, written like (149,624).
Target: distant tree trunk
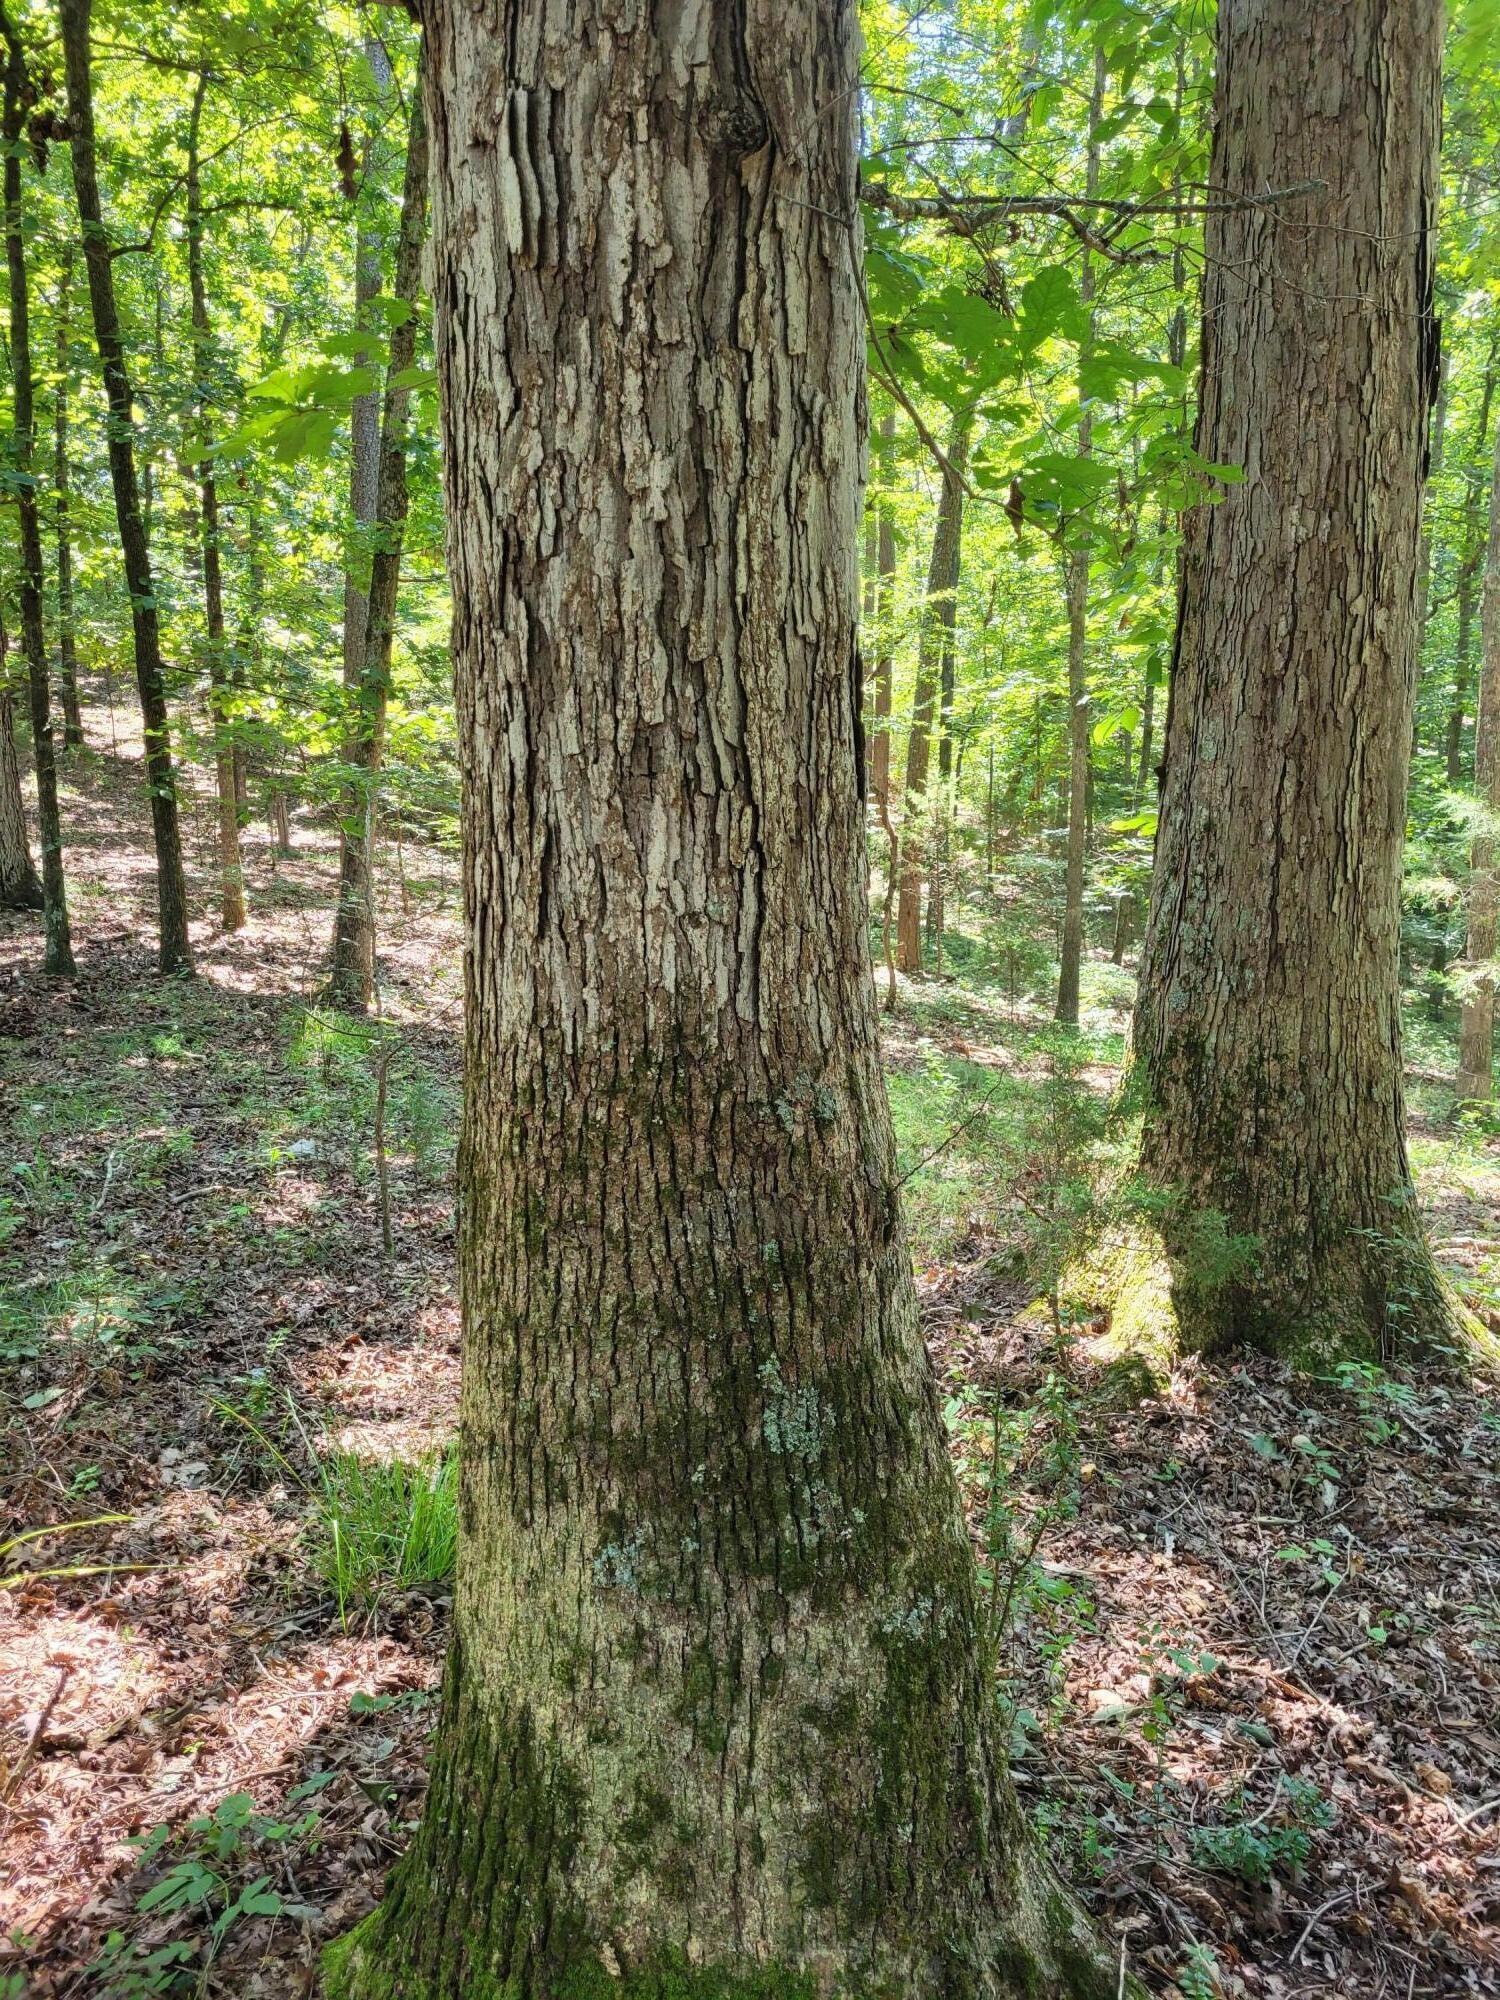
(937,622)
(1476,1041)
(719,1716)
(937,915)
(1268,1030)
(1436,436)
(279,816)
(880,735)
(1079,716)
(231,866)
(352,980)
(57,956)
(250,651)
(67,640)
(1470,571)
(1148,745)
(364,411)
(20,885)
(1122,928)
(885,570)
(175,952)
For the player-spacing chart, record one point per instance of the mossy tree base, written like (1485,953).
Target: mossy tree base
(1383,1301)
(1059,1962)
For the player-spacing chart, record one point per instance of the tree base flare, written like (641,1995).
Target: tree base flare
(1064,1965)
(1383,1301)
(502,1896)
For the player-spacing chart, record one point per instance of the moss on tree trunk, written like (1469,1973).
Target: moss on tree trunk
(720,1717)
(1267,1037)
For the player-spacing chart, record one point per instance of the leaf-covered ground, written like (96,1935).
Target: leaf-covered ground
(1253,1623)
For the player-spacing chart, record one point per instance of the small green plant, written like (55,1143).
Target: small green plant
(209,1873)
(384,1525)
(1313,1465)
(125,1970)
(1319,1554)
(1003,1452)
(1277,1841)
(1384,1403)
(378,1525)
(1199,1977)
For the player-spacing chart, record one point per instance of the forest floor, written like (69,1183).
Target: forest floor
(1253,1651)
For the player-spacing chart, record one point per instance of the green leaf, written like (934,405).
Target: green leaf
(1050,306)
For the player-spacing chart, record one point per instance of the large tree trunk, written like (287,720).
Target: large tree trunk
(67,645)
(231,868)
(57,956)
(1070,957)
(1268,1031)
(938,613)
(175,952)
(1476,1041)
(719,1716)
(352,979)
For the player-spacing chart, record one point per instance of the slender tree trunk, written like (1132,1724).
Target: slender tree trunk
(175,953)
(250,652)
(279,814)
(719,1715)
(880,735)
(1476,1040)
(885,570)
(67,642)
(1079,715)
(943,819)
(231,866)
(352,980)
(1267,1032)
(1470,573)
(1071,949)
(57,956)
(937,621)
(1437,435)
(20,885)
(364,412)
(1148,743)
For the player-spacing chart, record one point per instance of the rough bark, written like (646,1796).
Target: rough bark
(231,867)
(1267,1033)
(1476,1042)
(174,949)
(938,612)
(57,956)
(352,979)
(1079,717)
(719,1717)
(67,640)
